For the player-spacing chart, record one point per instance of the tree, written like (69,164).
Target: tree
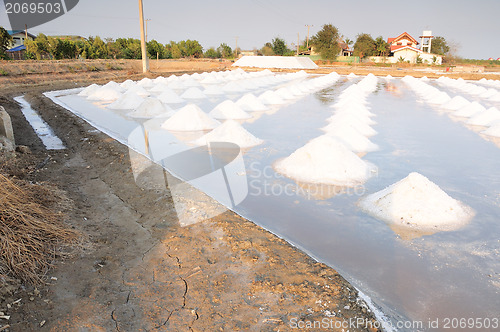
(381,46)
(225,51)
(212,53)
(364,45)
(349,42)
(326,41)
(5,40)
(279,46)
(439,46)
(155,49)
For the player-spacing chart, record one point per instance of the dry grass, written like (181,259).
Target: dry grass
(31,234)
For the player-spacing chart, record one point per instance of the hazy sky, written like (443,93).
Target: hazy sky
(471,25)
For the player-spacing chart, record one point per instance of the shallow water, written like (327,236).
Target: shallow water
(411,276)
(41,128)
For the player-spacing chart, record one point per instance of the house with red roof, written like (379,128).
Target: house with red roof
(404,48)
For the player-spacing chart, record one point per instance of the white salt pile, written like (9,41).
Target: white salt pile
(249,102)
(270,98)
(128,101)
(213,90)
(190,118)
(347,122)
(193,93)
(417,202)
(456,103)
(113,85)
(127,84)
(233,87)
(139,90)
(325,160)
(170,97)
(469,110)
(351,75)
(284,93)
(151,108)
(228,110)
(104,94)
(492,131)
(160,87)
(353,139)
(276,62)
(146,82)
(89,90)
(485,118)
(230,132)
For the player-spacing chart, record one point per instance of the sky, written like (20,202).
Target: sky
(469,26)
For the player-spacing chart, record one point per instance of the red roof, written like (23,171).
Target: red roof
(404,35)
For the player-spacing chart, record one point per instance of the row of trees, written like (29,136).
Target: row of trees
(327,42)
(122,48)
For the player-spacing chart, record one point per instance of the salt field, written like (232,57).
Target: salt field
(393,182)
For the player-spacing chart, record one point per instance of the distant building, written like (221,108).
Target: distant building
(17,50)
(19,36)
(403,48)
(344,49)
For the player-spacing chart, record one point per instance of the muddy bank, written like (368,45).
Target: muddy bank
(138,269)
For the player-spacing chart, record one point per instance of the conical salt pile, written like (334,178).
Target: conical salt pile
(325,160)
(417,202)
(229,110)
(190,118)
(230,132)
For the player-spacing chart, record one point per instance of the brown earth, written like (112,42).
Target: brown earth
(139,270)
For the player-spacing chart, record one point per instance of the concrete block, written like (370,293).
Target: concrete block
(6,125)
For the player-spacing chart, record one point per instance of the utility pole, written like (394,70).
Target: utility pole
(147,20)
(236,49)
(298,43)
(307,40)
(145,64)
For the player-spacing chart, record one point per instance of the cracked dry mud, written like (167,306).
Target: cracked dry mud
(139,270)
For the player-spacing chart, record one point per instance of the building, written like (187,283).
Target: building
(404,48)
(344,49)
(17,50)
(18,37)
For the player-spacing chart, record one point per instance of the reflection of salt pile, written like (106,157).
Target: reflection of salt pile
(230,132)
(325,160)
(150,108)
(229,110)
(417,202)
(250,102)
(128,101)
(190,118)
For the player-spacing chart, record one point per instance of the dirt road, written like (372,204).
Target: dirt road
(139,270)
